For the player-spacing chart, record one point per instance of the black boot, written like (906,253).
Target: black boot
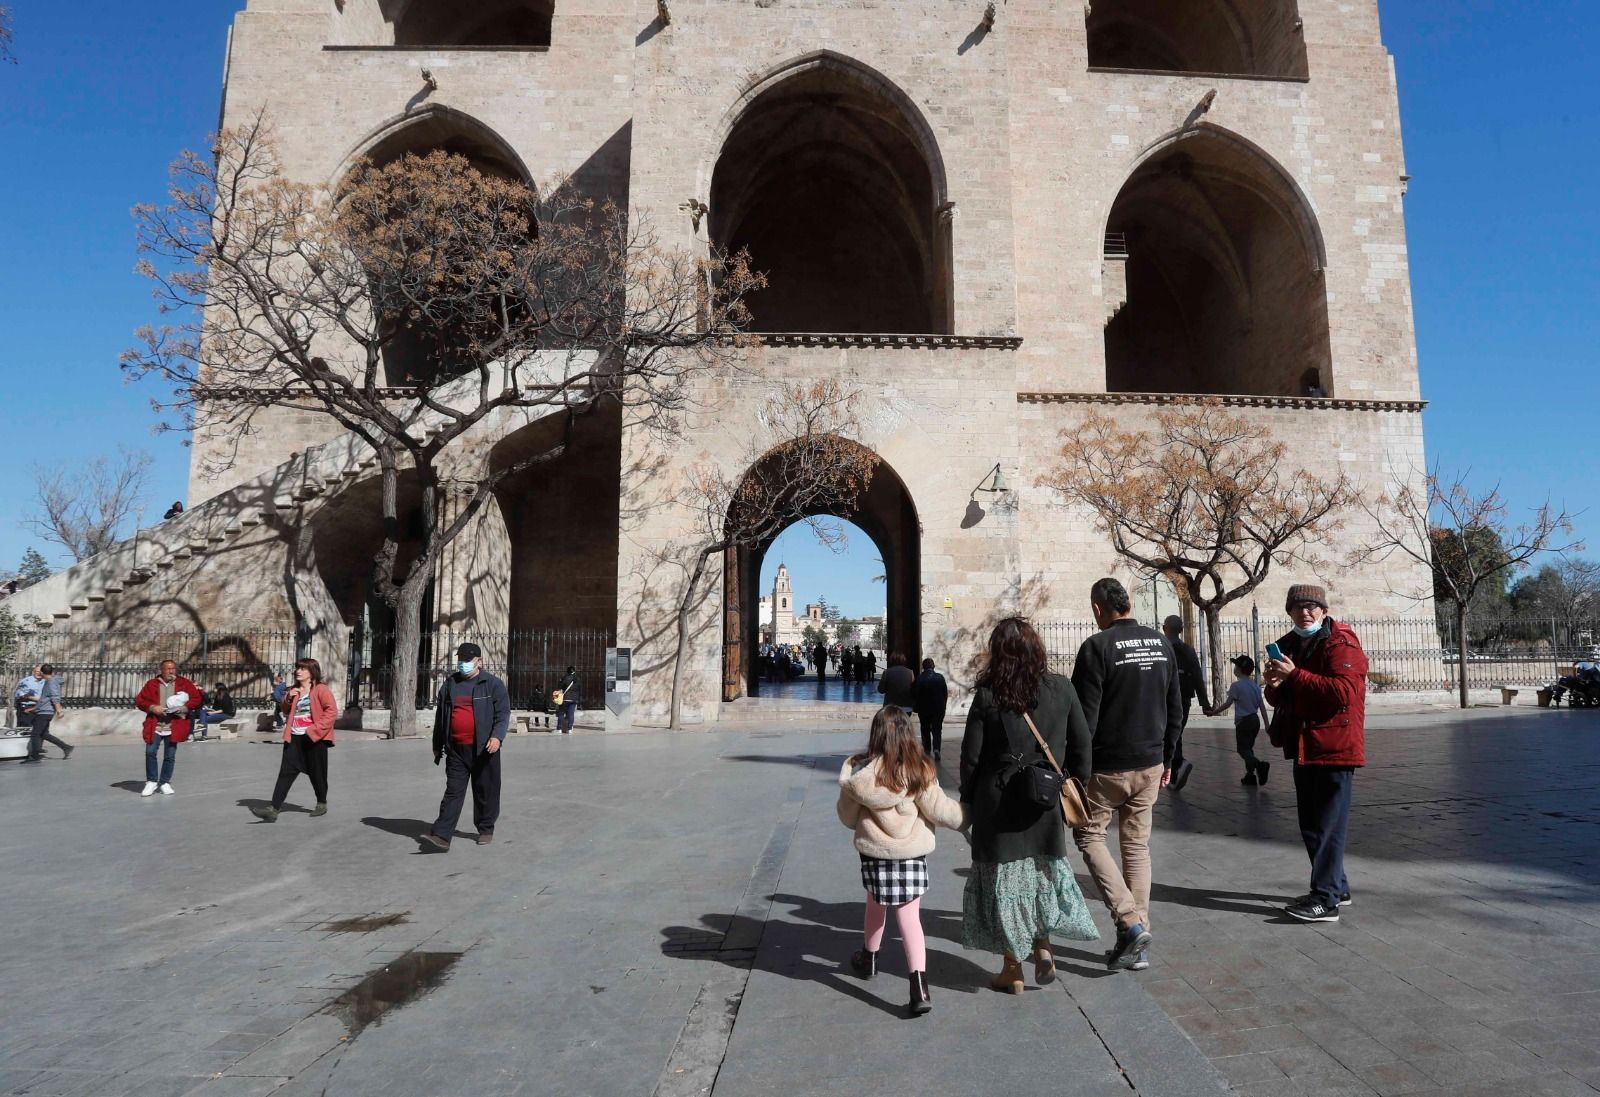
(921,999)
(864,963)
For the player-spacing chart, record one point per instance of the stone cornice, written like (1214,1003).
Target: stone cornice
(893,342)
(1304,403)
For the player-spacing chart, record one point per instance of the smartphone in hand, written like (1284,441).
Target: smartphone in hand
(1274,651)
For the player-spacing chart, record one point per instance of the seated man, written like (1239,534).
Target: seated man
(217,707)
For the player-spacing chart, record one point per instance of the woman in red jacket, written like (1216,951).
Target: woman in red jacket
(307,738)
(1318,692)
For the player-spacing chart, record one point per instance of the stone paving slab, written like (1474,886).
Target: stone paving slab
(646,890)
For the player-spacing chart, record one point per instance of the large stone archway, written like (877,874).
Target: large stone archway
(830,178)
(888,515)
(1224,37)
(1221,276)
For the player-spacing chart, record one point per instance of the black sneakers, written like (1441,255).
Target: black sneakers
(1180,776)
(1312,910)
(1249,778)
(1261,772)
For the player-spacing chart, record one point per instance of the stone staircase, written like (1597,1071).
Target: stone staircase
(313,474)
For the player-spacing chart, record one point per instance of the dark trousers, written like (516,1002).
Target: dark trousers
(465,764)
(1177,751)
(1322,795)
(40,735)
(169,758)
(567,716)
(302,755)
(932,729)
(1244,740)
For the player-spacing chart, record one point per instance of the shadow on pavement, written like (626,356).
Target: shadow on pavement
(128,786)
(1238,902)
(413,829)
(286,809)
(785,759)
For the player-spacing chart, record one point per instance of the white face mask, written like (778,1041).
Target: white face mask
(1309,631)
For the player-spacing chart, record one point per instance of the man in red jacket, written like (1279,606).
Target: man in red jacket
(166,701)
(1318,692)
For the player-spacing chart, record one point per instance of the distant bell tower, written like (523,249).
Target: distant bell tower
(782,596)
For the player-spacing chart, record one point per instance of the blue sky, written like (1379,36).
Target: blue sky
(1504,240)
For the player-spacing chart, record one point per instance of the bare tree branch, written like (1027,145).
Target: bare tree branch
(82,509)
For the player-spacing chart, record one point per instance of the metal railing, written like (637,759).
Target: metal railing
(1410,654)
(98,668)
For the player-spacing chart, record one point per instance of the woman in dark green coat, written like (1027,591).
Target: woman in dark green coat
(1022,887)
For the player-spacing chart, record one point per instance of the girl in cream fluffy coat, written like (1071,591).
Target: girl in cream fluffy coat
(890,796)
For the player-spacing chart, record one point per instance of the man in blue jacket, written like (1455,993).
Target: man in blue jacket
(470,721)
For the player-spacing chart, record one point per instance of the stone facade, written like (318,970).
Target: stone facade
(1224,191)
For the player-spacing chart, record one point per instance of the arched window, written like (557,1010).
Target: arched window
(830,179)
(484,23)
(1224,289)
(1229,37)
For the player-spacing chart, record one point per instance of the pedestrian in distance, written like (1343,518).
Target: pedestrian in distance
(897,682)
(1022,889)
(819,658)
(1192,684)
(1127,677)
(929,698)
(310,710)
(470,720)
(872,665)
(173,511)
(47,708)
(25,697)
(1244,697)
(280,690)
(1317,687)
(566,700)
(219,706)
(889,795)
(166,700)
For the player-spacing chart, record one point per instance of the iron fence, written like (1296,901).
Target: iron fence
(108,668)
(1410,654)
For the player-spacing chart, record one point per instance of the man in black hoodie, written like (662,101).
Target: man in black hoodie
(1126,676)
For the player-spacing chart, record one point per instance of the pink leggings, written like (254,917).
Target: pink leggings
(909,917)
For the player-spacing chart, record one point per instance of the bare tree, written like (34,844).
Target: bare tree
(419,305)
(1204,497)
(1466,541)
(82,509)
(804,468)
(5,35)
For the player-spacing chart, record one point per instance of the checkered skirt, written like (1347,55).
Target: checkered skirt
(894,882)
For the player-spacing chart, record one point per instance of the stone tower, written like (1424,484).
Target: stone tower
(989,226)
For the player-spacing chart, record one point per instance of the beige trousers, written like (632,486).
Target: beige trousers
(1131,797)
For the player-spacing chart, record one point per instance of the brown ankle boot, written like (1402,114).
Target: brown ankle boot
(1010,977)
(1044,963)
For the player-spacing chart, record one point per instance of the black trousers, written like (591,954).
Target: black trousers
(1244,740)
(301,755)
(40,734)
(1322,795)
(932,730)
(1177,751)
(464,765)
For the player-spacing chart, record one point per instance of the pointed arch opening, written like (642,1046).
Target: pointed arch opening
(887,514)
(830,177)
(1215,37)
(1214,268)
(483,24)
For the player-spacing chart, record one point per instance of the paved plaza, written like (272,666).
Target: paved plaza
(671,914)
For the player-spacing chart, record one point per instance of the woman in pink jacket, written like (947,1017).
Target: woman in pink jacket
(307,738)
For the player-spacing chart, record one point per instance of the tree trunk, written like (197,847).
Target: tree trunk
(1213,615)
(685,607)
(1461,651)
(403,664)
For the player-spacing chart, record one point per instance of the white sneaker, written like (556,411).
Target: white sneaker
(167,790)
(149,789)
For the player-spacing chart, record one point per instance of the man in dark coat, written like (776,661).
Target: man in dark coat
(1127,679)
(929,698)
(897,683)
(567,714)
(1318,692)
(470,720)
(819,656)
(1192,684)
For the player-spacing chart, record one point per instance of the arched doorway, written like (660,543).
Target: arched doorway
(1222,276)
(888,516)
(831,179)
(1225,37)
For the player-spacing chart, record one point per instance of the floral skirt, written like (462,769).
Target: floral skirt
(1008,906)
